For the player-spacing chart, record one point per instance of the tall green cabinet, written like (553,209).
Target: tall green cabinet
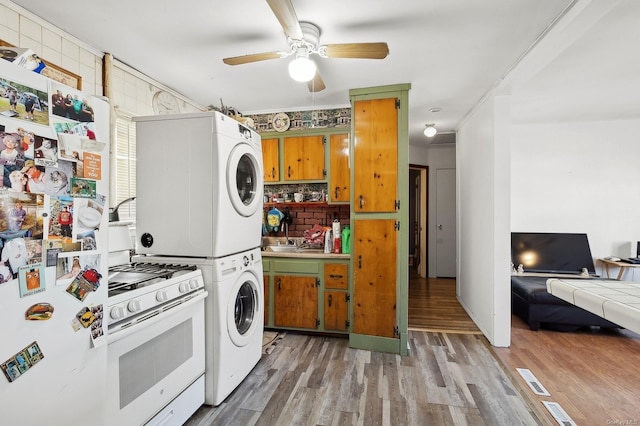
(379,218)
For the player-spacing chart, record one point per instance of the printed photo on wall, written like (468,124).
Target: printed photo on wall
(24,102)
(69,266)
(34,251)
(19,215)
(70,146)
(31,279)
(97,333)
(88,240)
(83,188)
(88,213)
(52,249)
(14,257)
(45,151)
(87,130)
(60,219)
(11,152)
(70,104)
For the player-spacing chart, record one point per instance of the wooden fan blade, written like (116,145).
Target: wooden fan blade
(316,84)
(256,57)
(357,50)
(283,9)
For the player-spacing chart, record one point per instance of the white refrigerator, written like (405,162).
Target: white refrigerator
(54,162)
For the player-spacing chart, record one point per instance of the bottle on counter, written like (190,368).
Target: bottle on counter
(337,233)
(346,240)
(337,244)
(328,241)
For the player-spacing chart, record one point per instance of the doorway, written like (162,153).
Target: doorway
(418,208)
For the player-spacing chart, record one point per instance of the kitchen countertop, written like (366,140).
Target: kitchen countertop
(301,253)
(305,254)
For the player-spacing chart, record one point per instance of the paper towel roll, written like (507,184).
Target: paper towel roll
(336,228)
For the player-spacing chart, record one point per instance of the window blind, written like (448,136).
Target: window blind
(125,166)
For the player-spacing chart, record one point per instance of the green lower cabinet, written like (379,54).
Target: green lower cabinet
(307,294)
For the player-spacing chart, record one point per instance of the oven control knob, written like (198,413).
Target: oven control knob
(183,287)
(117,312)
(133,306)
(161,296)
(193,284)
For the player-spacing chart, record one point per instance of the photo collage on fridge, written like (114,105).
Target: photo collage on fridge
(51,156)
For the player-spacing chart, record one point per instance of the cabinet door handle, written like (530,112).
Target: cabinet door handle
(289,171)
(361,201)
(279,284)
(335,276)
(273,172)
(330,300)
(359,262)
(337,192)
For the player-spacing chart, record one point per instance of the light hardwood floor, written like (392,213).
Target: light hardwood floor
(433,306)
(593,373)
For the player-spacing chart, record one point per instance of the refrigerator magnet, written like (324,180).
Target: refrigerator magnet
(80,287)
(31,279)
(86,317)
(18,364)
(39,312)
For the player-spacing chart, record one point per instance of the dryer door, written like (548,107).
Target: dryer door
(244,179)
(244,309)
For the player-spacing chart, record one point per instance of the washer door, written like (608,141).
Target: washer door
(243,309)
(244,179)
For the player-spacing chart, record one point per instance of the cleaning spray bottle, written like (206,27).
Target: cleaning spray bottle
(328,241)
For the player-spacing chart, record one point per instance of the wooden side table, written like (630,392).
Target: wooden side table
(622,265)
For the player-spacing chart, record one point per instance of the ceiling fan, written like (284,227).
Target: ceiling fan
(304,39)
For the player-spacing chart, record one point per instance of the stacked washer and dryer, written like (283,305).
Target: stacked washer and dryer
(199,201)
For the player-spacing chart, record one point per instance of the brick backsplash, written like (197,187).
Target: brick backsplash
(305,216)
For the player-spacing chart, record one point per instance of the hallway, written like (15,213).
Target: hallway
(433,306)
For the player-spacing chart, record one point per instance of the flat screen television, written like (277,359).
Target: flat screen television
(551,252)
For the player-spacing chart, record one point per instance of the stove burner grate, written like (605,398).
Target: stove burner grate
(130,276)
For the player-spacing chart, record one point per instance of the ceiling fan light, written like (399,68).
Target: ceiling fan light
(302,69)
(430,131)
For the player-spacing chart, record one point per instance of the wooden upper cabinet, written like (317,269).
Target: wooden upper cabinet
(339,179)
(374,277)
(304,158)
(375,155)
(270,160)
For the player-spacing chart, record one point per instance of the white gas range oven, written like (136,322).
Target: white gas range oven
(156,349)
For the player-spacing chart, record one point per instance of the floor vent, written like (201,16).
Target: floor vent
(559,414)
(533,382)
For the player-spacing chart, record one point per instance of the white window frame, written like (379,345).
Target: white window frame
(123,175)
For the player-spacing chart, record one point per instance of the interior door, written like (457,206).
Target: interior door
(414,218)
(446,223)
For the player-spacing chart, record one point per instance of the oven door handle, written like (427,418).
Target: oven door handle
(121,334)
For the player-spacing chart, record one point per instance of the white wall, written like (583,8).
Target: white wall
(436,157)
(23,29)
(579,177)
(131,91)
(483,220)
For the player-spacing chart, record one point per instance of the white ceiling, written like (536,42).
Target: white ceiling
(451,51)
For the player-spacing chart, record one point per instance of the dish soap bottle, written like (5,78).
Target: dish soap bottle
(346,240)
